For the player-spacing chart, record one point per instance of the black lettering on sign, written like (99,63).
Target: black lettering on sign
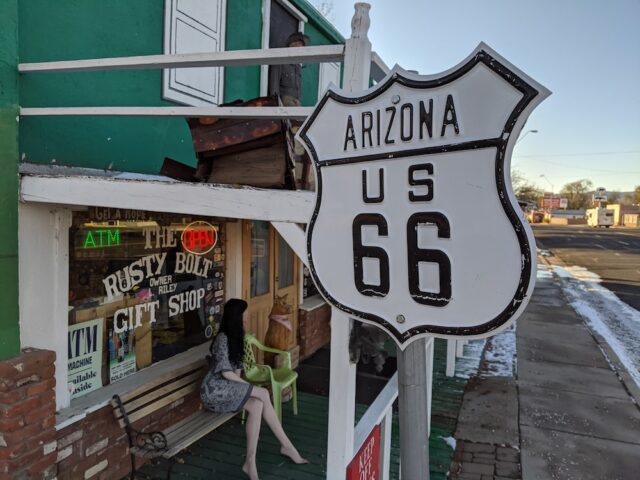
(407,107)
(423,182)
(426,119)
(391,110)
(362,251)
(367,128)
(415,255)
(350,134)
(449,116)
(365,188)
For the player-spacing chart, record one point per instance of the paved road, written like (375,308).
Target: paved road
(613,254)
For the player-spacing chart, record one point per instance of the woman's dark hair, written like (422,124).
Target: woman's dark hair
(231,326)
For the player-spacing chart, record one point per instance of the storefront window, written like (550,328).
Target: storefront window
(285,264)
(143,287)
(260,249)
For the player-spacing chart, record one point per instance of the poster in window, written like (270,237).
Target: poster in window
(122,355)
(85,357)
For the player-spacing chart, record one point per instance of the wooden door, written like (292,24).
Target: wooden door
(258,274)
(287,281)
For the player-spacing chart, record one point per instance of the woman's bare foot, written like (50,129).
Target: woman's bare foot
(293,454)
(251,470)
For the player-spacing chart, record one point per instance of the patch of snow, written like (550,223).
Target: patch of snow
(450,441)
(544,273)
(500,354)
(606,314)
(467,365)
(142,176)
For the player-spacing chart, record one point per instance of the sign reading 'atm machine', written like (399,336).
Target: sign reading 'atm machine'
(416,228)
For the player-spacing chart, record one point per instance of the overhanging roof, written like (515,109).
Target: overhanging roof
(87,187)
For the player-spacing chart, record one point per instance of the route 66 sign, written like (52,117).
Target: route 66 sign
(416,227)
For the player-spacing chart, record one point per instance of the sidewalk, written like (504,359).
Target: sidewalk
(558,410)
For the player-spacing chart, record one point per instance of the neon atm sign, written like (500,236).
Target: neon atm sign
(101,238)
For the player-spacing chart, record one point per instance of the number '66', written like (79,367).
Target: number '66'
(415,255)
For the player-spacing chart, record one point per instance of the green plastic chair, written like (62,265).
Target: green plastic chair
(261,375)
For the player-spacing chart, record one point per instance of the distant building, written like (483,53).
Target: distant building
(620,212)
(566,217)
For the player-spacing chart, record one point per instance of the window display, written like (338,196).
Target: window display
(151,283)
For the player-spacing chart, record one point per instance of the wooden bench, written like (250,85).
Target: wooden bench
(163,391)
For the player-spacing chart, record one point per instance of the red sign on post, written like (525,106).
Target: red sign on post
(366,463)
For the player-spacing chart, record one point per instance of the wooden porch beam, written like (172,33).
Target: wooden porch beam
(171,197)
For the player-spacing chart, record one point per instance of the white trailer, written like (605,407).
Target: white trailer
(600,217)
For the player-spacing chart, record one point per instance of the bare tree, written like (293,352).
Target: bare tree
(325,9)
(524,189)
(578,193)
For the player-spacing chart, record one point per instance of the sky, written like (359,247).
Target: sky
(587,52)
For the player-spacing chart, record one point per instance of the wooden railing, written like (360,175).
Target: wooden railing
(234,58)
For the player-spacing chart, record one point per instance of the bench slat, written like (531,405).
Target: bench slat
(143,412)
(161,379)
(200,424)
(136,404)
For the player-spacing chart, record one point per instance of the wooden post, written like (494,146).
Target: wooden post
(44,285)
(429,347)
(385,447)
(451,358)
(342,383)
(342,397)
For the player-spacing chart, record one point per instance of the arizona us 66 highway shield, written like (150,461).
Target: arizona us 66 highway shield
(416,227)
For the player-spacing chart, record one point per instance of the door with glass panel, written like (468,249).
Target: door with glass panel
(286,281)
(258,274)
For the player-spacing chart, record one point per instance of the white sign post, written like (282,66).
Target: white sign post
(416,228)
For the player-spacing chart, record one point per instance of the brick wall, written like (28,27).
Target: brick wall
(314,330)
(97,447)
(27,416)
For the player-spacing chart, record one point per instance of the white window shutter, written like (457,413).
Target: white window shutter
(194,26)
(329,73)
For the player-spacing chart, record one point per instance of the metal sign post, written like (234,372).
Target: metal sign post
(412,405)
(416,228)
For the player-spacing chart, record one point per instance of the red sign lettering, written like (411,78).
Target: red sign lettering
(199,237)
(366,463)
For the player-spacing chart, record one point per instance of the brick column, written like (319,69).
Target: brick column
(27,416)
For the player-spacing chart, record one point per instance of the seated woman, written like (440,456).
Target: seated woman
(223,390)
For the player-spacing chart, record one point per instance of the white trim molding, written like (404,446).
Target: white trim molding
(43,232)
(170,197)
(275,113)
(234,58)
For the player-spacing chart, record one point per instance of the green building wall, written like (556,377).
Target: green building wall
(79,29)
(44,30)
(9,319)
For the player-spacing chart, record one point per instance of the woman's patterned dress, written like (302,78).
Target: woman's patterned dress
(216,392)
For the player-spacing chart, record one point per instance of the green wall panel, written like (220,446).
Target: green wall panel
(243,32)
(9,319)
(77,29)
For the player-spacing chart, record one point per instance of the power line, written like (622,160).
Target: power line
(618,172)
(586,154)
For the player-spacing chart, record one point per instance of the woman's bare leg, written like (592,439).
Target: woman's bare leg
(269,415)
(254,407)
